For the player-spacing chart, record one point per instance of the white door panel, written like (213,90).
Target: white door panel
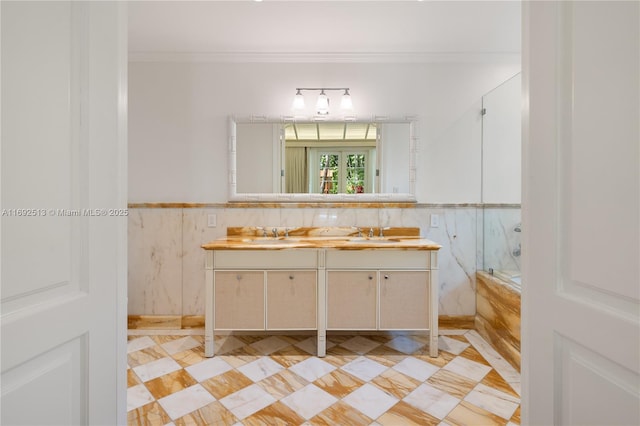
(581,213)
(63,177)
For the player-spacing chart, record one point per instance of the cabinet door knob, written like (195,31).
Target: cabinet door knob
(290,277)
(238,277)
(386,277)
(370,277)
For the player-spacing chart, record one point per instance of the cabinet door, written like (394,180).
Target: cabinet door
(239,300)
(404,300)
(351,300)
(291,300)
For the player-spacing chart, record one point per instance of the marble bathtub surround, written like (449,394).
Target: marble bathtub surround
(498,316)
(362,381)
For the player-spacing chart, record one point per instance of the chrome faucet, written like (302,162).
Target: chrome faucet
(286,232)
(382,230)
(370,232)
(359,231)
(264,231)
(274,231)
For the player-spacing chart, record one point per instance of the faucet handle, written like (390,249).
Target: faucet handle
(274,231)
(286,232)
(262,228)
(382,229)
(357,228)
(370,232)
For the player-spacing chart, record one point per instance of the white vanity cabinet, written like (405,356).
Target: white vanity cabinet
(260,290)
(322,288)
(382,289)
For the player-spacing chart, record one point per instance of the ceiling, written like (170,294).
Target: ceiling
(314,27)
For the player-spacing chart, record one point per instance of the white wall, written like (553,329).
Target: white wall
(178,119)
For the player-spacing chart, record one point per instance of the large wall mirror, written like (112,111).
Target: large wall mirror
(273,159)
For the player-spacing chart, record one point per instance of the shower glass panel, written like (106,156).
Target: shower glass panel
(501,180)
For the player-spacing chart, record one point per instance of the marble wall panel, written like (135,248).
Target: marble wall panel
(176,235)
(195,232)
(457,234)
(155,262)
(501,241)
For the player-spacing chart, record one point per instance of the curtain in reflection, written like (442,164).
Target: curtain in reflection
(296,170)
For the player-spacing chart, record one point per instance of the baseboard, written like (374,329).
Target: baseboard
(177,322)
(465,322)
(165,322)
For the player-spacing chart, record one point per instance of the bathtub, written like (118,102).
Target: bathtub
(498,313)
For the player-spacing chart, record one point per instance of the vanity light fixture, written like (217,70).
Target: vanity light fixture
(322,103)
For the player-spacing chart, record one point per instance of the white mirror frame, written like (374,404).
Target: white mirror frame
(234,196)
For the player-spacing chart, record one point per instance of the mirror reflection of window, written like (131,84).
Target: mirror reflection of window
(330,158)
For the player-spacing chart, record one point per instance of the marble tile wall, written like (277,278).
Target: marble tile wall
(166,263)
(501,241)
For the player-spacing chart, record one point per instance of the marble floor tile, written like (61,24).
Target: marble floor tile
(282,384)
(406,415)
(139,343)
(495,380)
(189,357)
(370,400)
(151,414)
(505,369)
(187,400)
(405,344)
(493,400)
(452,345)
(473,354)
(260,368)
(340,414)
(289,356)
(170,383)
(226,383)
(419,370)
(467,368)
(137,396)
(364,368)
(180,345)
(360,345)
(145,355)
(432,401)
(211,414)
(276,394)
(156,368)
(210,367)
(276,414)
(247,401)
(309,401)
(269,345)
(310,345)
(312,369)
(452,383)
(468,414)
(339,383)
(132,379)
(395,383)
(227,344)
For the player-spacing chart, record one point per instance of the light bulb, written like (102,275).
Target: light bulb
(298,101)
(322,105)
(345,102)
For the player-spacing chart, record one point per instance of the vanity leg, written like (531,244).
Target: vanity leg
(209,306)
(433,285)
(322,305)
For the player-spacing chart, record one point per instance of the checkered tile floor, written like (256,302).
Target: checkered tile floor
(363,380)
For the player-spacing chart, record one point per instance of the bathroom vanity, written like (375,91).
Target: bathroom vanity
(319,279)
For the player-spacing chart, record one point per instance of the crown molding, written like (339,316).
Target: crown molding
(327,57)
